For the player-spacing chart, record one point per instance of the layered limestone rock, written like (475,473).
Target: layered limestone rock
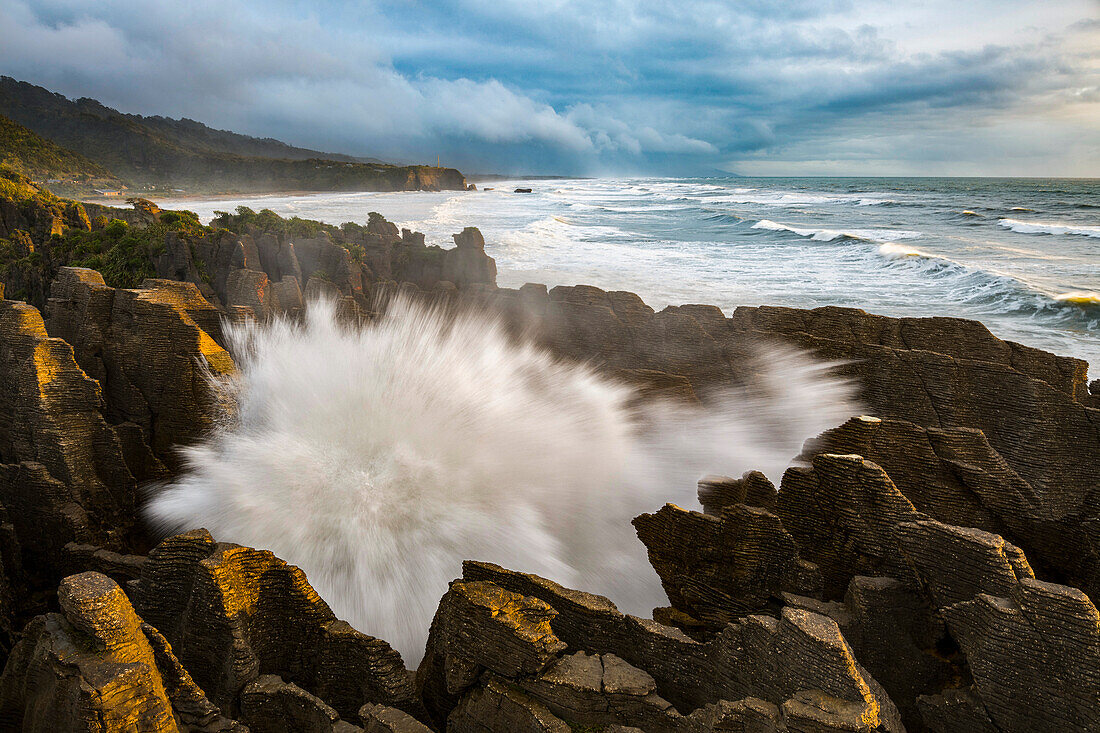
(95,666)
(601,690)
(905,572)
(151,350)
(843,512)
(62,474)
(951,373)
(269,704)
(233,613)
(500,705)
(799,662)
(955,476)
(253,271)
(717,569)
(382,719)
(754,489)
(949,603)
(480,626)
(1033,648)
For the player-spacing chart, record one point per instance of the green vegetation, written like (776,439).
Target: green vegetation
(40,233)
(24,152)
(157,153)
(124,255)
(268,222)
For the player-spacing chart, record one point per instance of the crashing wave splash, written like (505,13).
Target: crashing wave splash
(378,458)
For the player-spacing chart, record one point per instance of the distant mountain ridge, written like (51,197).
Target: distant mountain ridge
(159,152)
(30,154)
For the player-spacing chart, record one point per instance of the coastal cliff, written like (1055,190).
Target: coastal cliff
(930,565)
(161,155)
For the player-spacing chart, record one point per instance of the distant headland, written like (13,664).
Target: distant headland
(82,148)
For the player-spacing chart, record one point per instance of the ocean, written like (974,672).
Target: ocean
(1020,255)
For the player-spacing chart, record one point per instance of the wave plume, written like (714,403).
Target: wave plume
(377,458)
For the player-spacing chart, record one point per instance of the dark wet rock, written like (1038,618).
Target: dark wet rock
(750,715)
(383,719)
(502,706)
(481,626)
(753,657)
(232,612)
(754,489)
(1033,648)
(897,636)
(96,664)
(270,705)
(951,373)
(954,711)
(843,512)
(957,338)
(955,476)
(717,569)
(981,562)
(117,566)
(601,690)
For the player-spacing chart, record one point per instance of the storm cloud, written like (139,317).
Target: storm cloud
(696,86)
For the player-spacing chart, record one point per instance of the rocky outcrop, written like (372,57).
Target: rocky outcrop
(934,566)
(269,704)
(955,476)
(232,613)
(151,350)
(480,626)
(716,569)
(62,474)
(750,658)
(947,603)
(258,270)
(950,373)
(382,719)
(96,666)
(464,265)
(1025,641)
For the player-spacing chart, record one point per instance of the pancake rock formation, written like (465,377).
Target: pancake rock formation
(932,564)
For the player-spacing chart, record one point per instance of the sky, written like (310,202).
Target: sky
(689,87)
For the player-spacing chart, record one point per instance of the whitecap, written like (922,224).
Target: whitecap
(1047,227)
(828,235)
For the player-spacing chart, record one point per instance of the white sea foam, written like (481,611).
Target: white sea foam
(1047,227)
(828,235)
(900,251)
(377,459)
(744,196)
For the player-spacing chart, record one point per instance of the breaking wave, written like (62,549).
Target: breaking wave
(377,458)
(828,235)
(1045,227)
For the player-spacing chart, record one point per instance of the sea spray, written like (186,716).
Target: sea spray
(377,458)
